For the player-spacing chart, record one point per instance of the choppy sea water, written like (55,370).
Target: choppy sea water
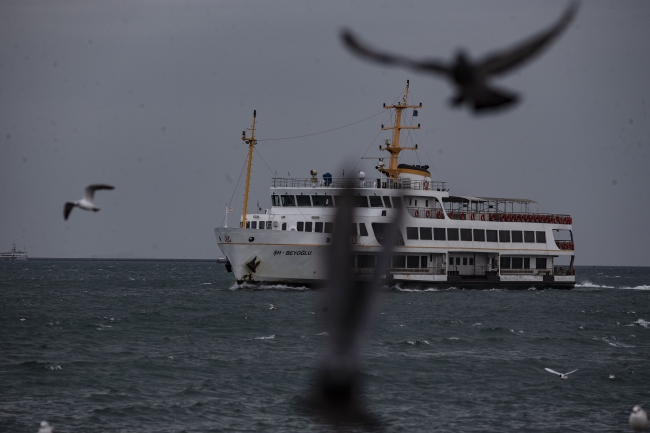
(176,347)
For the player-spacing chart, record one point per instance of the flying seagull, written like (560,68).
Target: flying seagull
(85,203)
(471,76)
(561,375)
(273,307)
(639,419)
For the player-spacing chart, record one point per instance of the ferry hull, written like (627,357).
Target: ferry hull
(289,257)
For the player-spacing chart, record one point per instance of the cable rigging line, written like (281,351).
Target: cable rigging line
(322,132)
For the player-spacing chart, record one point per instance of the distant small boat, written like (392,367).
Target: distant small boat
(221,260)
(14,254)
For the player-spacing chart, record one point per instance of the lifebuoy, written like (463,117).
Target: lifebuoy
(462,216)
(502,217)
(417,213)
(438,214)
(509,218)
(482,217)
(427,213)
(354,240)
(518,218)
(426,184)
(451,215)
(472,217)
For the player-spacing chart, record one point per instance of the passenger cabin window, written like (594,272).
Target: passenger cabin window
(329,227)
(457,261)
(361,201)
(529,237)
(452,234)
(412,233)
(288,200)
(397,202)
(464,261)
(365,261)
(466,235)
(318,227)
(322,200)
(261,225)
(540,263)
(308,226)
(491,235)
(471,261)
(479,235)
(300,226)
(412,261)
(517,263)
(439,234)
(303,200)
(248,224)
(284,226)
(399,261)
(526,262)
(425,234)
(275,199)
(504,236)
(269,225)
(505,262)
(376,201)
(517,237)
(387,201)
(253,224)
(541,237)
(362,229)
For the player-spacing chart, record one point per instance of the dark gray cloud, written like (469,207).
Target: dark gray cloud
(152,97)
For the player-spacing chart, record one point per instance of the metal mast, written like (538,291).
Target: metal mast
(251,144)
(393,147)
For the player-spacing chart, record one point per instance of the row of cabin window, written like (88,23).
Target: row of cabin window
(479,235)
(255,225)
(318,227)
(521,262)
(328,201)
(398,261)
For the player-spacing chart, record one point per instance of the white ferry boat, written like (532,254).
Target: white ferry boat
(446,240)
(14,254)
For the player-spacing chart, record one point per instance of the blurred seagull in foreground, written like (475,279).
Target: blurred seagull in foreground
(336,395)
(639,419)
(273,307)
(561,375)
(85,203)
(46,428)
(471,76)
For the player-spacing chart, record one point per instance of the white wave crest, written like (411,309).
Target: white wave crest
(54,367)
(270,337)
(643,323)
(249,286)
(589,284)
(644,287)
(612,342)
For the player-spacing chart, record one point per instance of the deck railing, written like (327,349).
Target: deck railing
(420,212)
(422,185)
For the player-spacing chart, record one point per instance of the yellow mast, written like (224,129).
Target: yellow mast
(251,144)
(394,148)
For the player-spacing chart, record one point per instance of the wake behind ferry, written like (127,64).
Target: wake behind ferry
(445,240)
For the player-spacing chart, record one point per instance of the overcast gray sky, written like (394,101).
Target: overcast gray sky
(152,96)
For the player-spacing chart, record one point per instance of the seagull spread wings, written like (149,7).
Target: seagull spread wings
(560,374)
(90,190)
(67,209)
(470,77)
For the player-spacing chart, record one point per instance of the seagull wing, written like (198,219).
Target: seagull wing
(506,60)
(363,50)
(572,371)
(553,371)
(67,209)
(90,190)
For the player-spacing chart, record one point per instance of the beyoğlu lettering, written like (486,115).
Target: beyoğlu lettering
(298,253)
